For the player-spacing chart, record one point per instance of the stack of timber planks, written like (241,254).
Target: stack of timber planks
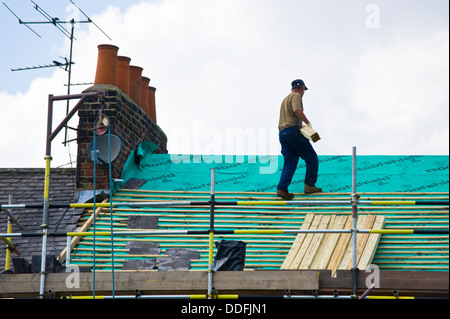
(333,251)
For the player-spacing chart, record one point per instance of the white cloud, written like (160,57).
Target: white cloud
(229,64)
(399,97)
(23,124)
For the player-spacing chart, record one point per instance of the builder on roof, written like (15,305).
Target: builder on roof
(294,144)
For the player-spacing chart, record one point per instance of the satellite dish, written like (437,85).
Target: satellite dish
(101,145)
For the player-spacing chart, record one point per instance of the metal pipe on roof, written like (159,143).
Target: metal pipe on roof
(211,234)
(95,153)
(11,218)
(111,209)
(354,225)
(367,292)
(44,226)
(68,249)
(230,232)
(231,296)
(9,245)
(72,112)
(48,142)
(10,248)
(225,203)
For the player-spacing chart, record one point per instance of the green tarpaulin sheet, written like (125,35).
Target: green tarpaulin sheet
(407,173)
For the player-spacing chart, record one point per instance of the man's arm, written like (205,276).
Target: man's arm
(302,116)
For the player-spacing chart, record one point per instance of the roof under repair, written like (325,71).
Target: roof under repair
(165,177)
(151,177)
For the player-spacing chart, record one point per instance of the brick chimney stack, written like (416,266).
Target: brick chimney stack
(116,70)
(130,106)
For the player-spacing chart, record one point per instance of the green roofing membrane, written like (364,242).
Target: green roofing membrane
(409,173)
(168,177)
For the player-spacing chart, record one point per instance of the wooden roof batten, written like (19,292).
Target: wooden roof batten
(265,254)
(265,217)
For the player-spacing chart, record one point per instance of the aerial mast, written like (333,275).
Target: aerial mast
(59,24)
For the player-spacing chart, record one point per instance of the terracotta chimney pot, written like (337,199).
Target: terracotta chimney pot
(152,103)
(106,64)
(135,83)
(123,74)
(144,93)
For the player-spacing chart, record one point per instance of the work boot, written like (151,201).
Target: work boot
(312,189)
(285,195)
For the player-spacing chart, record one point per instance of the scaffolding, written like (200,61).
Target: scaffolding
(212,203)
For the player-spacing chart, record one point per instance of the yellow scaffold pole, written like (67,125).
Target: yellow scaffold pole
(9,231)
(211,234)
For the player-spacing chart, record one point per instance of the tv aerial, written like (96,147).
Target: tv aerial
(63,66)
(60,25)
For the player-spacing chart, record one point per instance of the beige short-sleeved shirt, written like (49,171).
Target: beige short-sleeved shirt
(288,118)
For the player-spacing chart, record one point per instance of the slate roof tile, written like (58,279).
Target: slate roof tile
(26,185)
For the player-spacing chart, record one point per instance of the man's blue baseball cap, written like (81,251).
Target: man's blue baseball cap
(298,83)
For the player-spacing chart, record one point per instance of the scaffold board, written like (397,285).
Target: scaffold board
(333,251)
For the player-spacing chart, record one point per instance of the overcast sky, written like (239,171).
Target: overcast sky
(377,72)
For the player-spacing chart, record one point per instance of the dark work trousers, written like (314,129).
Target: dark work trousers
(293,146)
